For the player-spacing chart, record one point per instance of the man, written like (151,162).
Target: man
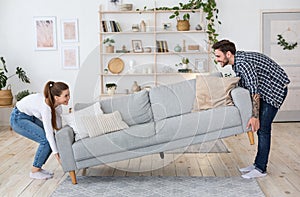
(267,83)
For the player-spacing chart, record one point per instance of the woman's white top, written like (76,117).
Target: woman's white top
(35,105)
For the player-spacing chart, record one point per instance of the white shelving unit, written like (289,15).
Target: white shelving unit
(152,68)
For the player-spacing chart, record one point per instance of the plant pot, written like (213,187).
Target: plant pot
(183,25)
(185,66)
(110,49)
(111,90)
(6,97)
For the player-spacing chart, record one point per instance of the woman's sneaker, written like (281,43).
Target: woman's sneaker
(247,169)
(39,175)
(46,172)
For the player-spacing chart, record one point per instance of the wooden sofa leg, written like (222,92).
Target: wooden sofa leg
(162,155)
(73,177)
(251,137)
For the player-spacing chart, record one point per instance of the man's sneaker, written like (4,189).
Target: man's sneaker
(46,172)
(247,169)
(39,175)
(253,174)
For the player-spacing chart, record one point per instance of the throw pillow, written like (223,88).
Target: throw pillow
(213,91)
(74,119)
(103,123)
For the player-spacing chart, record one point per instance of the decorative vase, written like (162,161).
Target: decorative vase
(177,48)
(135,87)
(111,91)
(143,26)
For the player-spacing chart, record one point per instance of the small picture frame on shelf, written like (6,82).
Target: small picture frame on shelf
(137,46)
(200,65)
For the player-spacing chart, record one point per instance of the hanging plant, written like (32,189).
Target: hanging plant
(286,46)
(209,7)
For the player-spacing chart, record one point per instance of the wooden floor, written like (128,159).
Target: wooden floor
(16,155)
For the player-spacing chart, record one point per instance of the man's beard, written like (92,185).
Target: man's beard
(226,62)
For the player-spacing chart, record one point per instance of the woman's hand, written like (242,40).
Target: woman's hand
(254,123)
(58,158)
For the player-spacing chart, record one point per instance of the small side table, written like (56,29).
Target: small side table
(8,106)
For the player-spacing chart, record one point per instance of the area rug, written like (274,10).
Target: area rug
(141,186)
(216,146)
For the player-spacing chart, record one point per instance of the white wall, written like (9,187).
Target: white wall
(240,23)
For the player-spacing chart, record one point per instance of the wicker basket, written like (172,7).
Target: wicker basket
(183,25)
(6,97)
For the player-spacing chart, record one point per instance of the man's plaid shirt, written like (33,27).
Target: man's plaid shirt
(261,75)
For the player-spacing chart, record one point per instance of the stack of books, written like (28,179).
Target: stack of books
(161,46)
(111,26)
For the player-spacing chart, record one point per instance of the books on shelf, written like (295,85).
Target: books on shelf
(161,46)
(111,26)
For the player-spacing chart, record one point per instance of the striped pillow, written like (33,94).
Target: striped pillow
(103,123)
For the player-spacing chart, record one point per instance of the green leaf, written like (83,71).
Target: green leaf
(22,75)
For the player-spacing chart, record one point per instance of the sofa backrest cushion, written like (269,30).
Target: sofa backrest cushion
(134,108)
(172,100)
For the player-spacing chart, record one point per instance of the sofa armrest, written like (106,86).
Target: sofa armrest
(64,141)
(241,99)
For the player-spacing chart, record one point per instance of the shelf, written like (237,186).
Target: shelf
(153,32)
(128,75)
(158,53)
(127,32)
(152,74)
(144,11)
(176,32)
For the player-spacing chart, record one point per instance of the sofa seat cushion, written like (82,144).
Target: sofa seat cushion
(134,137)
(197,123)
(172,100)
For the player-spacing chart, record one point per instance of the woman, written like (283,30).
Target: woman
(36,117)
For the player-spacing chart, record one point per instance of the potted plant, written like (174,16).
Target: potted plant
(109,48)
(184,63)
(111,88)
(210,10)
(184,23)
(6,95)
(22,94)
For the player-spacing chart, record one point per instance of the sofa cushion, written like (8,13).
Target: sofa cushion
(197,123)
(212,92)
(172,100)
(74,119)
(134,108)
(103,123)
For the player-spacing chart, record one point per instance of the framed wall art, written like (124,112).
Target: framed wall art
(45,33)
(70,57)
(69,30)
(137,46)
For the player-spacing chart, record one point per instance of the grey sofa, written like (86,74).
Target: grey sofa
(159,120)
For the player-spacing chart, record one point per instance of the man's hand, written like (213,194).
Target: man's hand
(58,158)
(254,123)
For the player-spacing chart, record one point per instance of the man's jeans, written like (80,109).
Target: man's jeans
(267,114)
(32,128)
